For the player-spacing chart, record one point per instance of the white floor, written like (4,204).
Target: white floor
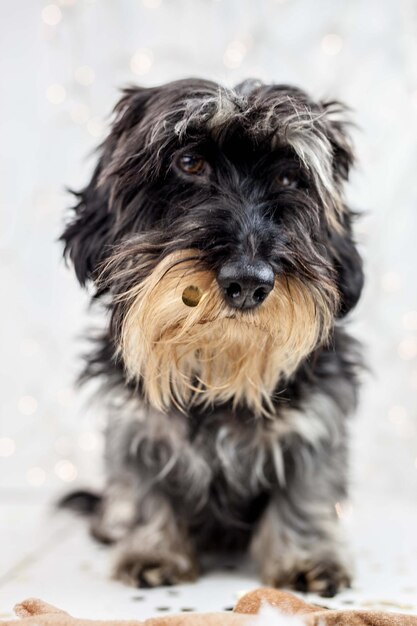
(51,556)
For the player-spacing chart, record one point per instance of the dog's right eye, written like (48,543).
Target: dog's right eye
(192,164)
(289,178)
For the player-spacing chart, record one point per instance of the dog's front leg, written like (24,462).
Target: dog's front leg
(299,542)
(158,551)
(172,481)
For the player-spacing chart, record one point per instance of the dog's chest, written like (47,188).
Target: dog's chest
(246,456)
(241,465)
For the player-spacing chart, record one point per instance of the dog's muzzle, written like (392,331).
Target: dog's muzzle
(245,284)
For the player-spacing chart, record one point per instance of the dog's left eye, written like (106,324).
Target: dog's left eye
(289,179)
(192,164)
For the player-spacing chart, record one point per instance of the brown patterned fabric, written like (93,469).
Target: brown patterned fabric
(33,612)
(314,615)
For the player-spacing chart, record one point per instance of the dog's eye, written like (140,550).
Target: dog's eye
(192,164)
(289,179)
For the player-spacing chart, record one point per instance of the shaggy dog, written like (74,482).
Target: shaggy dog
(215,232)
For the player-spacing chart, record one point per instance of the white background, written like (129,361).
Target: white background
(60,69)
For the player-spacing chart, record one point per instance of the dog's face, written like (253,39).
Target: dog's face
(238,194)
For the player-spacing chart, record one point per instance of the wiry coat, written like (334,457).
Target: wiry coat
(226,427)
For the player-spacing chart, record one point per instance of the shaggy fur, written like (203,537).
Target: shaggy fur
(227,426)
(208,354)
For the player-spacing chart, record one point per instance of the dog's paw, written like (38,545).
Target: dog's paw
(155,570)
(325,579)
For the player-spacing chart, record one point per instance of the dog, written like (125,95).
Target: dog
(228,409)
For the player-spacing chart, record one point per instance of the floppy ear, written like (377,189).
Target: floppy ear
(346,258)
(94,229)
(348,264)
(336,122)
(88,234)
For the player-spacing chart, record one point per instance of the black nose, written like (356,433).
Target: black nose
(245,284)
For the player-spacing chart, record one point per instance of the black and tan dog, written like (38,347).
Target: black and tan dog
(215,232)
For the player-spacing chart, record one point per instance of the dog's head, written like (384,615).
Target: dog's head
(238,195)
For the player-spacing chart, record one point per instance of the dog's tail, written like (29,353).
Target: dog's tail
(82,502)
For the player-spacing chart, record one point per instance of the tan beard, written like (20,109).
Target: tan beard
(211,353)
